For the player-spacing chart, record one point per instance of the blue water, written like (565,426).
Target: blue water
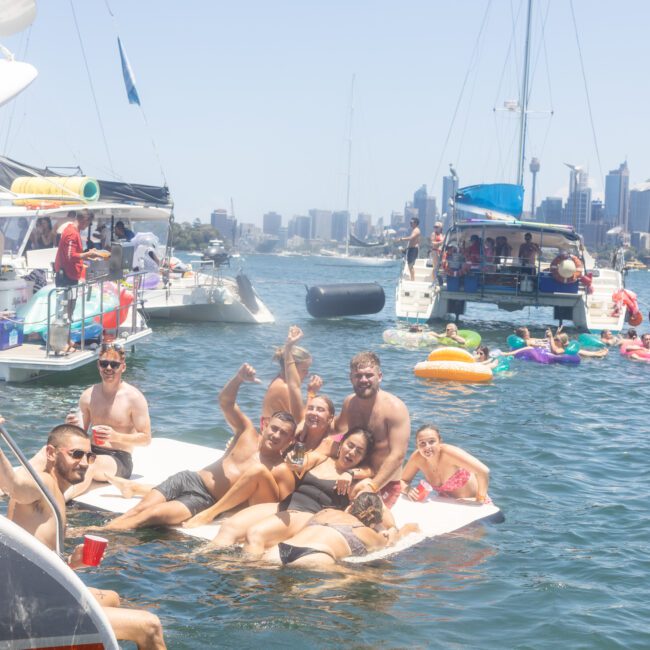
(567,446)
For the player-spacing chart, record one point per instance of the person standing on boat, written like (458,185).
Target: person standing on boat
(70,256)
(529,252)
(436,247)
(386,417)
(68,459)
(413,247)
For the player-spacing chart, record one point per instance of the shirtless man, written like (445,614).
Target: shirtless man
(529,251)
(68,457)
(186,493)
(386,417)
(413,247)
(436,247)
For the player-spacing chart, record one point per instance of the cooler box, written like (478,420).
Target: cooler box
(11,332)
(453,283)
(471,283)
(548,284)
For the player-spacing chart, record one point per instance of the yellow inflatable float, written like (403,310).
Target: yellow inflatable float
(454,364)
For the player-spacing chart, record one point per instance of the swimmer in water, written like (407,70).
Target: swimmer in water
(451,332)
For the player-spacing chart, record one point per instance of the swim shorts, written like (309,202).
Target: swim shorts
(390,493)
(411,255)
(188,488)
(122,459)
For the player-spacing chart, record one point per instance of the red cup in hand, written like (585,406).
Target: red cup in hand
(423,490)
(94,548)
(98,437)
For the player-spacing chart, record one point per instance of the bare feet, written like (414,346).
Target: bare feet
(200,519)
(122,484)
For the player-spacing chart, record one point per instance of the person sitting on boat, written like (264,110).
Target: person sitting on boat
(608,338)
(489,254)
(187,493)
(436,247)
(117,414)
(413,246)
(450,470)
(43,235)
(332,535)
(277,394)
(451,332)
(386,416)
(482,356)
(503,250)
(68,457)
(473,251)
(322,482)
(122,232)
(528,253)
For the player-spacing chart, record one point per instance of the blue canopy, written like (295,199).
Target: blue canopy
(501,197)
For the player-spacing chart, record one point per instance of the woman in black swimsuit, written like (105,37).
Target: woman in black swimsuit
(323,483)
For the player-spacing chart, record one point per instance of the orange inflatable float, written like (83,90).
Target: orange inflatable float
(452,364)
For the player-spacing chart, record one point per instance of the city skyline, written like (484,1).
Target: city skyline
(251,102)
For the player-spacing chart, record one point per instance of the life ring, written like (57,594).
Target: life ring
(472,340)
(539,355)
(566,269)
(453,370)
(635,318)
(451,354)
(409,339)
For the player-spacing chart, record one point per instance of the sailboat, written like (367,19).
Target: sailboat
(491,256)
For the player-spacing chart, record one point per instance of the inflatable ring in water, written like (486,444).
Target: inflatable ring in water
(515,342)
(453,370)
(539,355)
(409,339)
(591,341)
(451,354)
(472,340)
(566,268)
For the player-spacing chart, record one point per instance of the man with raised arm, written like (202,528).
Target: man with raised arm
(386,417)
(186,493)
(68,457)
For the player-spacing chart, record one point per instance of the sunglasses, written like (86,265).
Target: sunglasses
(106,363)
(113,345)
(78,454)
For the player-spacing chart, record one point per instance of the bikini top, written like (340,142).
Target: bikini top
(457,480)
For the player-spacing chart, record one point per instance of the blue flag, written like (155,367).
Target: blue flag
(129,79)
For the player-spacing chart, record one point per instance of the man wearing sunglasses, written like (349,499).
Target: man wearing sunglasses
(68,459)
(117,414)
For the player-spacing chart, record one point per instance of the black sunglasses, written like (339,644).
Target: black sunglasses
(78,454)
(105,363)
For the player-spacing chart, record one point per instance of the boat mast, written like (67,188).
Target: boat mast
(524,99)
(347,194)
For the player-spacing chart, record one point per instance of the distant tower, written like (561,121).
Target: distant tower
(534,168)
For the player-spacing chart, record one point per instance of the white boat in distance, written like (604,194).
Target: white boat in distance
(200,293)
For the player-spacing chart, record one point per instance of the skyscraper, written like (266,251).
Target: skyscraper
(426,207)
(321,224)
(617,196)
(272,223)
(577,211)
(640,208)
(362,225)
(340,221)
(550,210)
(220,220)
(299,226)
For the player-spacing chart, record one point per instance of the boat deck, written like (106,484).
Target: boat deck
(30,360)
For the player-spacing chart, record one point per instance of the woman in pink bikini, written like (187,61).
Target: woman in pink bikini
(451,471)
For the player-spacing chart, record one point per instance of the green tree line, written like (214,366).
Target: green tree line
(193,236)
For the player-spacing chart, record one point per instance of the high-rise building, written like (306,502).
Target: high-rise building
(577,211)
(226,225)
(550,210)
(363,225)
(321,224)
(272,222)
(449,189)
(617,196)
(340,222)
(396,220)
(299,226)
(426,207)
(640,208)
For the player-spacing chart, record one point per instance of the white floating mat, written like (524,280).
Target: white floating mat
(164,457)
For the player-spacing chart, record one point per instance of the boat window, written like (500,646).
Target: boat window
(15,230)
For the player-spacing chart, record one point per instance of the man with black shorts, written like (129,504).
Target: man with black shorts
(413,247)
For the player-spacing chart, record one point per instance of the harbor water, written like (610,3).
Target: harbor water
(567,446)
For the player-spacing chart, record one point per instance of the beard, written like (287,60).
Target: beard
(365,392)
(69,474)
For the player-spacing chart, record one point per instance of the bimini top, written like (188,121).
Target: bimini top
(496,201)
(110,191)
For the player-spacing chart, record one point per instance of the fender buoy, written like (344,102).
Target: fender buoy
(331,300)
(566,268)
(109,319)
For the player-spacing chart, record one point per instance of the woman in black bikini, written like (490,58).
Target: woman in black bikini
(323,483)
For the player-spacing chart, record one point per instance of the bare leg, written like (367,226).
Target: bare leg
(105,597)
(273,530)
(234,528)
(129,488)
(137,625)
(256,485)
(153,510)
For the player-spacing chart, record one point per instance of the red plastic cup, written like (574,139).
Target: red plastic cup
(423,489)
(94,548)
(97,440)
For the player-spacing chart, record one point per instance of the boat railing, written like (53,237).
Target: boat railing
(62,294)
(209,268)
(47,495)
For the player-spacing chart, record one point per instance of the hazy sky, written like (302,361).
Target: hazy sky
(250,100)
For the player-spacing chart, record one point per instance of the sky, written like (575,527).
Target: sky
(250,101)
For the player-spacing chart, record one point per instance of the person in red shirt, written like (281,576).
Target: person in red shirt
(70,256)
